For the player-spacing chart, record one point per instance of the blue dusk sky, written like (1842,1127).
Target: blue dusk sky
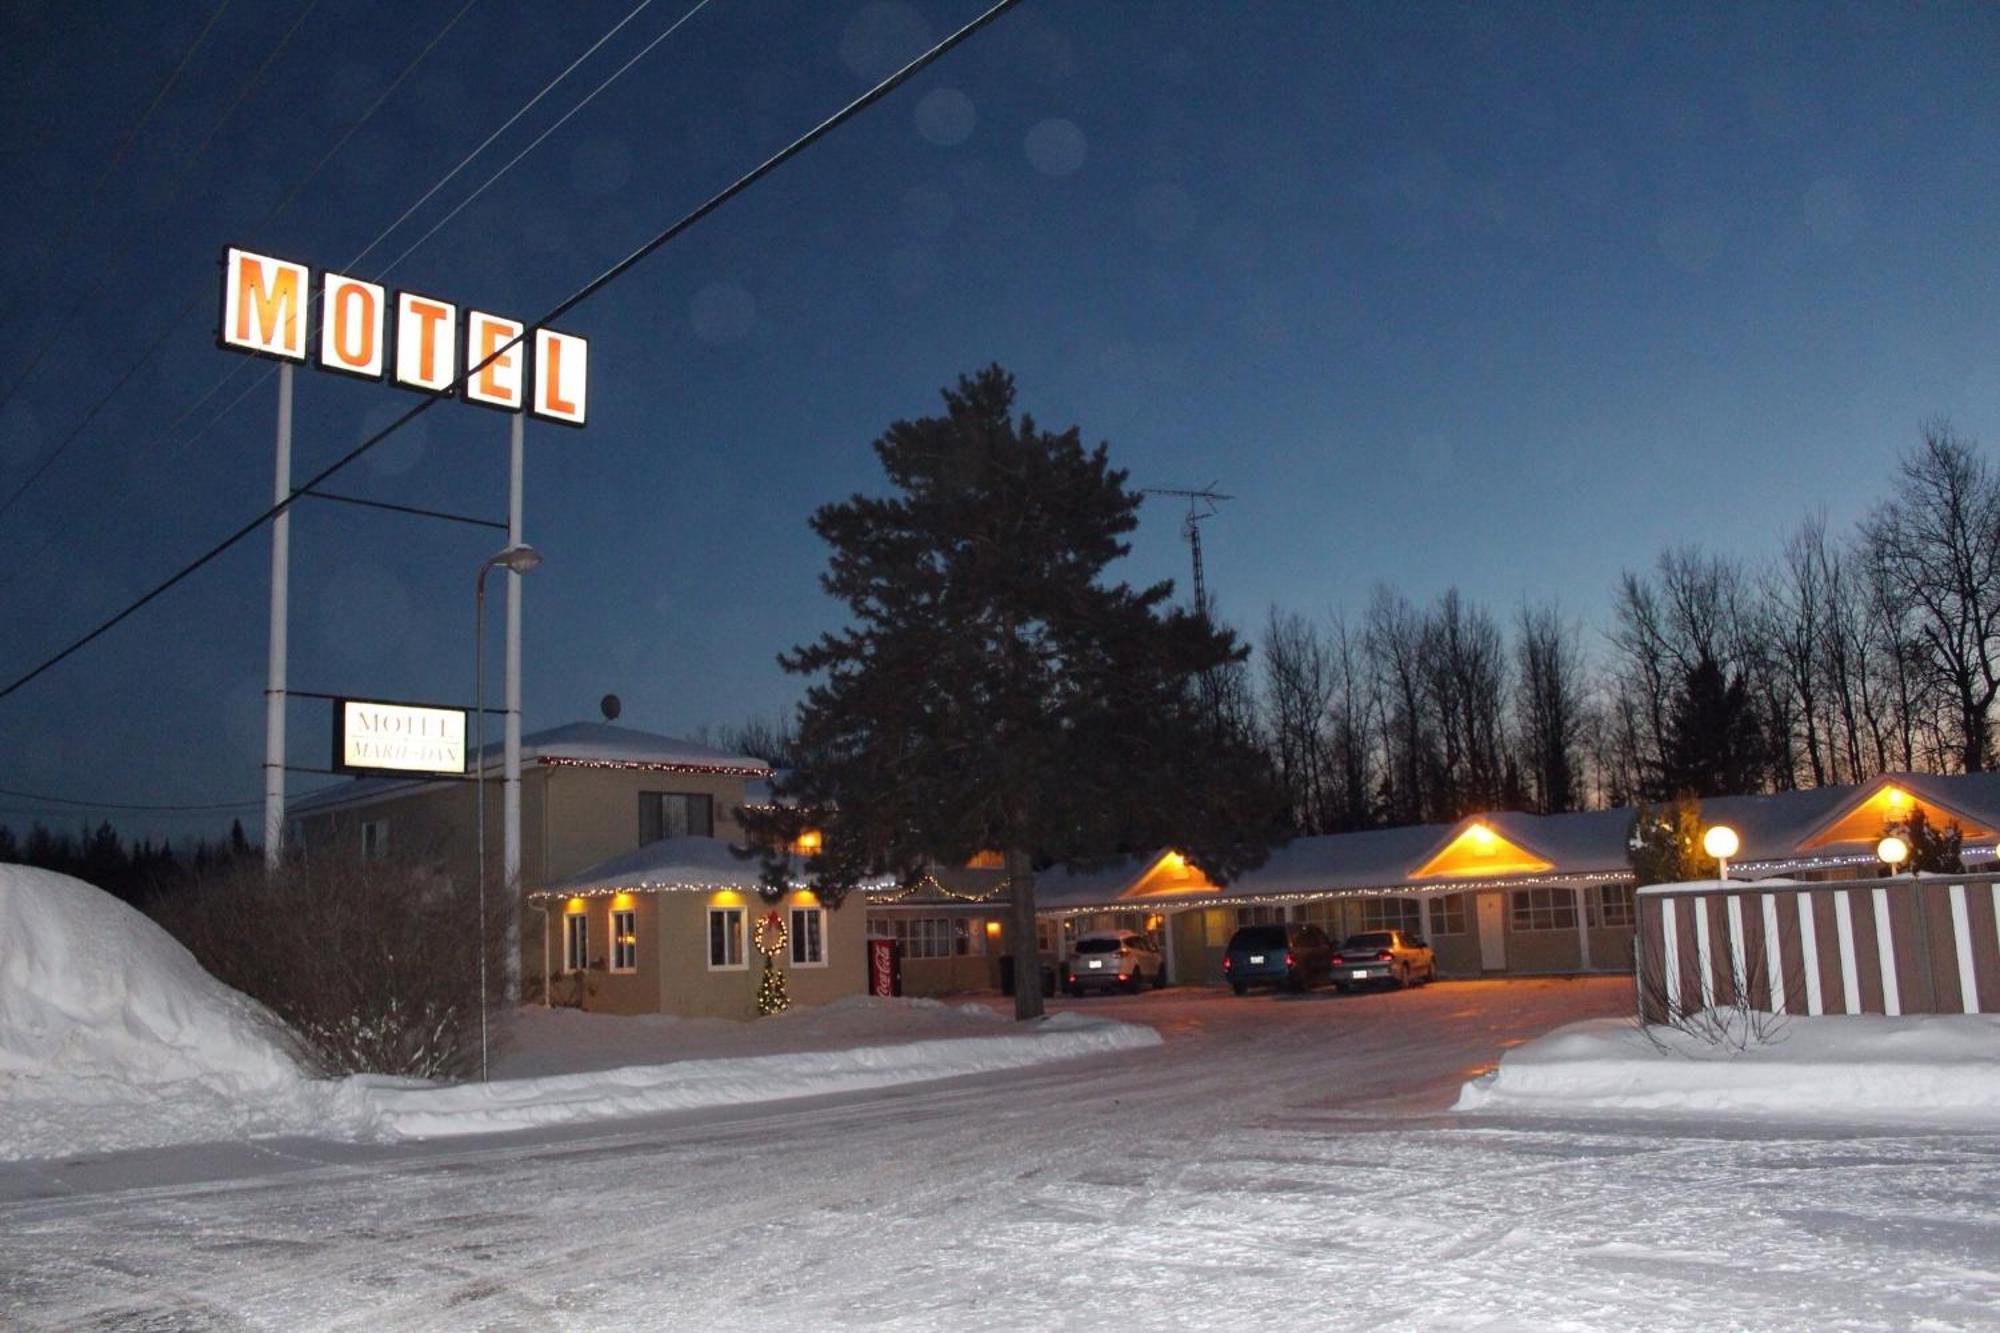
(1501,297)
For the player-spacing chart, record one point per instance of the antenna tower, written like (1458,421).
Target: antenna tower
(1201,504)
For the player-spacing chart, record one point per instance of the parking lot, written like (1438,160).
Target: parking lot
(1276,1148)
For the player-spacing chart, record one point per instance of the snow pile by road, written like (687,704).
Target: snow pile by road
(392,1109)
(112,1035)
(1929,1068)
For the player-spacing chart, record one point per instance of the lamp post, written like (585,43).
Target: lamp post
(1721,843)
(517,558)
(1893,851)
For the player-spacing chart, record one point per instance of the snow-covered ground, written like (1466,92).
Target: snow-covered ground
(1929,1069)
(113,1037)
(1273,1152)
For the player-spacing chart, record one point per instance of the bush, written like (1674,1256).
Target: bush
(374,964)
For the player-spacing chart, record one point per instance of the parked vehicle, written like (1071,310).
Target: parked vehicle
(1106,958)
(1292,957)
(1383,955)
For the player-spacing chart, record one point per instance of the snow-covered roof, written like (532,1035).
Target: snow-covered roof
(591,744)
(1581,847)
(688,863)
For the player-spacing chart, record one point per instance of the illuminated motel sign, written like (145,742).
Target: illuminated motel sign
(372,736)
(416,341)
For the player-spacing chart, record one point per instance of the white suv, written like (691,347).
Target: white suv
(1102,959)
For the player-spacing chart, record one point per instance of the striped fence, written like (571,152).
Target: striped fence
(1878,946)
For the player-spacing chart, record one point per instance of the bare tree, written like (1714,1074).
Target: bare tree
(1463,672)
(1394,640)
(1549,706)
(1351,730)
(1298,698)
(1936,549)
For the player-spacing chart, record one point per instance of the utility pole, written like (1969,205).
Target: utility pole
(1201,504)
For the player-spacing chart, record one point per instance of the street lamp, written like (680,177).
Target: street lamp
(517,559)
(1721,843)
(1892,851)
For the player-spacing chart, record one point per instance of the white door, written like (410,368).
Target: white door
(1492,938)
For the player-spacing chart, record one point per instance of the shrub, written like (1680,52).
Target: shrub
(374,964)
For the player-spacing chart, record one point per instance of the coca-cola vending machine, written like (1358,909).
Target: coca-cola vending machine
(885,966)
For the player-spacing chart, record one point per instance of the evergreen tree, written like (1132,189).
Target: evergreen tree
(1715,743)
(994,691)
(1933,850)
(1665,843)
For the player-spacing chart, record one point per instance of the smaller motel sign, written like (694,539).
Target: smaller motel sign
(283,309)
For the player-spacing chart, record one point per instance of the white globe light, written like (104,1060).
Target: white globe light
(1720,841)
(1892,850)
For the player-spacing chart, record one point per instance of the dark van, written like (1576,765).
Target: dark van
(1291,956)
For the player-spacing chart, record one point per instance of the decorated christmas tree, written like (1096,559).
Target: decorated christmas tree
(771,996)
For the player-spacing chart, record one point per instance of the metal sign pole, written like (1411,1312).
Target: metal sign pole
(511,789)
(274,688)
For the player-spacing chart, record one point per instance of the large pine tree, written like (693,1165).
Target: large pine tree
(994,690)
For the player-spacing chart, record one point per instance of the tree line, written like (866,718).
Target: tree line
(1844,656)
(137,872)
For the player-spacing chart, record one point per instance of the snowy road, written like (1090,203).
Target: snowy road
(1274,1154)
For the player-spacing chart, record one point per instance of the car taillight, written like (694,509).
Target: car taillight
(1336,958)
(1291,961)
(1383,955)
(1124,976)
(1226,962)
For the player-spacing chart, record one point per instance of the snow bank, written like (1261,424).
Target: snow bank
(1919,1068)
(112,1035)
(396,1109)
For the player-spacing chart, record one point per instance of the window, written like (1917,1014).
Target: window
(967,940)
(1544,909)
(675,814)
(374,839)
(1388,914)
(624,941)
(808,937)
(725,938)
(1448,914)
(1045,937)
(1615,906)
(576,942)
(1259,916)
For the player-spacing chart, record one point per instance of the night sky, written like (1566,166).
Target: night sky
(1501,297)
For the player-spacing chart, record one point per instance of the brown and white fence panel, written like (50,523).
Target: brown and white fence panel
(1884,946)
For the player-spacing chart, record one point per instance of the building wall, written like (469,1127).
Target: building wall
(672,974)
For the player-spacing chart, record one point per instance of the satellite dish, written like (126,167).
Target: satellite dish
(609,703)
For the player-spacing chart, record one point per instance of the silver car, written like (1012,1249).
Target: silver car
(1383,955)
(1102,959)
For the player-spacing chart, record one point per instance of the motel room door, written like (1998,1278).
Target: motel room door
(1492,935)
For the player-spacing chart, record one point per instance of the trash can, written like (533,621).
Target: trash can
(1048,972)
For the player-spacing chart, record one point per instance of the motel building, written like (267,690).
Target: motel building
(634,899)
(1496,894)
(591,793)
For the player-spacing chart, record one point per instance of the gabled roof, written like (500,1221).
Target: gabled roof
(595,744)
(1888,799)
(1476,849)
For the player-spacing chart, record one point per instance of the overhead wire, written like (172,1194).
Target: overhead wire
(617,270)
(137,229)
(180,447)
(167,331)
(43,799)
(89,194)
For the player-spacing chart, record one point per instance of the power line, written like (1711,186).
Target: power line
(563,307)
(202,294)
(167,331)
(181,170)
(536,142)
(43,799)
(89,195)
